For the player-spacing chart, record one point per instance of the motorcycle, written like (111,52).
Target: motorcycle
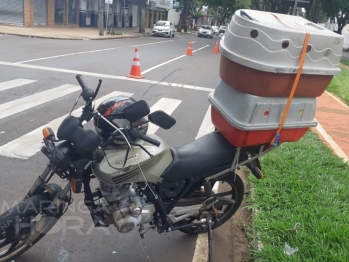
(141,182)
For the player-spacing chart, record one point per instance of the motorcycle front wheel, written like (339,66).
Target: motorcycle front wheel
(230,187)
(17,233)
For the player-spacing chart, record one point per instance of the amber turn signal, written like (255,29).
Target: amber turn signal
(45,132)
(73,184)
(76,185)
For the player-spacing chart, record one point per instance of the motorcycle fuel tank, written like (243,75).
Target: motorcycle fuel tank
(112,170)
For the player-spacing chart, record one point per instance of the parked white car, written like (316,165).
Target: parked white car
(222,30)
(164,28)
(215,30)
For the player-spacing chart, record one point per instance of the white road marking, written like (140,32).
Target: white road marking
(30,143)
(165,104)
(146,81)
(206,126)
(337,99)
(200,48)
(201,249)
(332,143)
(27,102)
(15,83)
(169,61)
(92,51)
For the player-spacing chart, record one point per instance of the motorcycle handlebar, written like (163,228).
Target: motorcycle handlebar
(136,134)
(150,140)
(81,82)
(87,94)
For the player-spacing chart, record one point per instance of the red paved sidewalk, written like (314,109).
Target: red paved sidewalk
(333,116)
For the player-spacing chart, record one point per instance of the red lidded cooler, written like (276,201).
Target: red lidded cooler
(248,120)
(261,53)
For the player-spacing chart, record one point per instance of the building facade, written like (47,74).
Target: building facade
(80,13)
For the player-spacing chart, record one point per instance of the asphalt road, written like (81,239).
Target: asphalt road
(53,63)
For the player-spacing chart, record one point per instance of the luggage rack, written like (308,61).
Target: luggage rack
(253,153)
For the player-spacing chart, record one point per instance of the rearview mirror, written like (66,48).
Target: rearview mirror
(161,119)
(136,111)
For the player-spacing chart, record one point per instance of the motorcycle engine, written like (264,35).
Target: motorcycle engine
(124,207)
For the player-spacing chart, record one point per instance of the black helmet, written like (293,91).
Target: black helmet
(111,106)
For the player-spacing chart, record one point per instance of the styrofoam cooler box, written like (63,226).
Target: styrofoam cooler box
(247,120)
(261,54)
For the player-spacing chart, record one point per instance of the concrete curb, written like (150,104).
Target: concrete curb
(72,38)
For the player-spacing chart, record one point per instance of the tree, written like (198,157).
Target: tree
(221,10)
(268,5)
(316,13)
(184,5)
(278,6)
(195,9)
(338,9)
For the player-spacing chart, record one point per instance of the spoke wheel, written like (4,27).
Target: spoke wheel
(17,223)
(231,193)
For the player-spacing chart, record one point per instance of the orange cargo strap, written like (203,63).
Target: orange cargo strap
(275,141)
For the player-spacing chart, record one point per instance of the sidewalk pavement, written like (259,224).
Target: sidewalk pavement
(72,33)
(333,117)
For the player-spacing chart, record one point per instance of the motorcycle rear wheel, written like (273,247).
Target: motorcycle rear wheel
(236,193)
(16,224)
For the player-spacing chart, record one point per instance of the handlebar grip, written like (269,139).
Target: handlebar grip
(149,140)
(81,82)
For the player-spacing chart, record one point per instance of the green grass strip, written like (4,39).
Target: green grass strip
(340,84)
(345,62)
(305,183)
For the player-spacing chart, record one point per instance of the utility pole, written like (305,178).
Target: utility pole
(142,6)
(106,23)
(294,10)
(294,7)
(100,17)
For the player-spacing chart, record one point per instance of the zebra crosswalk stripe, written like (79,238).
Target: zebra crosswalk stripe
(27,102)
(30,143)
(15,83)
(206,125)
(165,104)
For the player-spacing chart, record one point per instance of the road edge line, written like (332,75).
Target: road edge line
(339,152)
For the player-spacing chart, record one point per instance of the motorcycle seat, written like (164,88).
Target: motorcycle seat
(200,157)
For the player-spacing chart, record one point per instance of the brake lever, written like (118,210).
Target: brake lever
(97,89)
(76,101)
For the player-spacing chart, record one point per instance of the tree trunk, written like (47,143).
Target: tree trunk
(182,18)
(179,26)
(100,17)
(142,5)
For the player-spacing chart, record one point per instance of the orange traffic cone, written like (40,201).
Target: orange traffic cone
(136,67)
(216,48)
(190,49)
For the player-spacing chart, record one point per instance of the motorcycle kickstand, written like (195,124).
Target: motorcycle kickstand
(209,232)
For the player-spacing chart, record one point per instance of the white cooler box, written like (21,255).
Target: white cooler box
(261,54)
(248,120)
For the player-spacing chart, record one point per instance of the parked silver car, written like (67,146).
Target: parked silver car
(205,31)
(164,28)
